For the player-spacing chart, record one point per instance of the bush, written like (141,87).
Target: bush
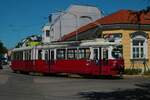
(132,71)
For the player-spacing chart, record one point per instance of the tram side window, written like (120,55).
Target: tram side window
(95,54)
(60,53)
(18,55)
(117,52)
(84,53)
(29,55)
(17,58)
(21,55)
(26,55)
(39,54)
(76,53)
(46,55)
(81,53)
(87,53)
(14,56)
(72,53)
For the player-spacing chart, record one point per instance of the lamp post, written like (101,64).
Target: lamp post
(97,24)
(99,27)
(76,22)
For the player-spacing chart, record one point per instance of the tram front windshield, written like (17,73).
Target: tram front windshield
(117,52)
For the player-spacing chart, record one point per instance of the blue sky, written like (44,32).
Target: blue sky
(22,18)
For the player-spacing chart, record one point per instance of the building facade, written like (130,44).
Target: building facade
(64,22)
(131,28)
(46,33)
(136,46)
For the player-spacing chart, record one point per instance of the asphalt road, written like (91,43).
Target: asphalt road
(15,86)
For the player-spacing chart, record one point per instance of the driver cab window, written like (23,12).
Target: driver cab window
(117,52)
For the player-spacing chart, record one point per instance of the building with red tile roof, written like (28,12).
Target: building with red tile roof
(131,28)
(117,19)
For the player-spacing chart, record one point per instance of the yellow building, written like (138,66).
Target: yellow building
(136,46)
(130,28)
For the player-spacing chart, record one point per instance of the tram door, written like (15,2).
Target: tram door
(49,57)
(96,53)
(104,61)
(52,54)
(52,57)
(104,56)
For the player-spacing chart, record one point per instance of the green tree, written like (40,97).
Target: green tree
(3,49)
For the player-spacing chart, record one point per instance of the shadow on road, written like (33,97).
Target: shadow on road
(140,93)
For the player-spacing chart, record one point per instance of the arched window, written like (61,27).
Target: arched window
(47,32)
(139,45)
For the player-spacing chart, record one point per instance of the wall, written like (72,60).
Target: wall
(45,39)
(75,16)
(126,40)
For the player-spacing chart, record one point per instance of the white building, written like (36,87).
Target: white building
(64,22)
(46,33)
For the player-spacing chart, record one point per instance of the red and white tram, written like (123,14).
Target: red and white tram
(91,57)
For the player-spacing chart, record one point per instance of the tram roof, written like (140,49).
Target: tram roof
(22,48)
(98,42)
(83,43)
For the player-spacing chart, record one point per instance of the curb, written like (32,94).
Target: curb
(136,76)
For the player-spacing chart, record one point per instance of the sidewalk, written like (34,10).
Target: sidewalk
(136,76)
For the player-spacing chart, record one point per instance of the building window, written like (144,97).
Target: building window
(47,33)
(139,47)
(117,37)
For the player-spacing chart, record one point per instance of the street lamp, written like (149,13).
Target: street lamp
(76,22)
(99,27)
(93,22)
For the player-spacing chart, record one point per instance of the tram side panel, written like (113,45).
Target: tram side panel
(22,60)
(27,60)
(117,66)
(40,64)
(78,60)
(74,60)
(17,63)
(71,66)
(112,62)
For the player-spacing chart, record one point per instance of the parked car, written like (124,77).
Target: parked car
(3,60)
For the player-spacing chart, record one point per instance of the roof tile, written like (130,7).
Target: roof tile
(120,17)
